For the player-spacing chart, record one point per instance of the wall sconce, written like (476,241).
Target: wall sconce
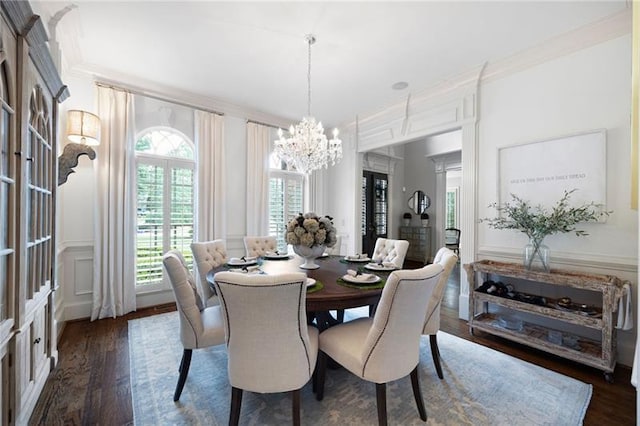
(83,130)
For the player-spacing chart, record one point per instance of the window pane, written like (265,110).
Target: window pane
(4,216)
(3,287)
(149,236)
(182,211)
(164,143)
(285,203)
(363,228)
(4,143)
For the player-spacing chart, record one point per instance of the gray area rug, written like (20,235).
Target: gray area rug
(480,387)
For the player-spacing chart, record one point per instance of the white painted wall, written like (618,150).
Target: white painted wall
(76,200)
(588,89)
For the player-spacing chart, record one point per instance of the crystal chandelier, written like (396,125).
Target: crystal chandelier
(306,147)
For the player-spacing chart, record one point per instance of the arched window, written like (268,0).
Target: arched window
(165,177)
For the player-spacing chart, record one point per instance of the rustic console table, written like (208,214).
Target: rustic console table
(600,354)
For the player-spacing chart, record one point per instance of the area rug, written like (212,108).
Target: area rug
(480,387)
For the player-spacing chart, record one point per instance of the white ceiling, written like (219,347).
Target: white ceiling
(253,54)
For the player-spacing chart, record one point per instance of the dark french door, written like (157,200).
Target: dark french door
(374,209)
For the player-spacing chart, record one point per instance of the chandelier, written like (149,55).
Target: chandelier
(306,147)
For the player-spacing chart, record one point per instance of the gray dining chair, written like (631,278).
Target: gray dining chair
(448,260)
(270,346)
(200,327)
(259,246)
(386,347)
(208,255)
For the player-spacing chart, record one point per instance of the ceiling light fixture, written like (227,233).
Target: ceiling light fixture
(306,147)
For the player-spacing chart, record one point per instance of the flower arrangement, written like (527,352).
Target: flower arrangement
(537,222)
(310,230)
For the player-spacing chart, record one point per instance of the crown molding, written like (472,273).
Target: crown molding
(606,29)
(145,87)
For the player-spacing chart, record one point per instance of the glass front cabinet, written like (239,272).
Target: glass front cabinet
(30,90)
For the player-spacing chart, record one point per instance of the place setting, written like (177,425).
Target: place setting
(356,258)
(358,279)
(276,255)
(313,285)
(381,266)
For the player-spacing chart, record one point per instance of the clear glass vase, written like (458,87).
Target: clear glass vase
(536,256)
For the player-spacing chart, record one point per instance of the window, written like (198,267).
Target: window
(165,180)
(452,208)
(286,197)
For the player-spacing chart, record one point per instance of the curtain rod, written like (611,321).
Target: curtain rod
(157,97)
(263,124)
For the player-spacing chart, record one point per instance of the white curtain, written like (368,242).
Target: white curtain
(114,253)
(211,219)
(258,151)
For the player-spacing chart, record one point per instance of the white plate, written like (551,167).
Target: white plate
(376,267)
(240,263)
(354,280)
(361,260)
(310,282)
(276,256)
(323,255)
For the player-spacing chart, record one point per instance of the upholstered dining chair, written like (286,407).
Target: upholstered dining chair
(208,255)
(388,250)
(448,260)
(258,246)
(270,346)
(452,239)
(386,347)
(199,327)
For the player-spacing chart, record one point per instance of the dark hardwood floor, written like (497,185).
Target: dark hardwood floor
(90,385)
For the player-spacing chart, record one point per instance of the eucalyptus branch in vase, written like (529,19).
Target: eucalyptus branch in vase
(537,222)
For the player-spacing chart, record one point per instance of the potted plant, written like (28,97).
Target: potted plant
(424,217)
(536,222)
(406,218)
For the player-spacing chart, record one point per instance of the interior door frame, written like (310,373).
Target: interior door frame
(370,212)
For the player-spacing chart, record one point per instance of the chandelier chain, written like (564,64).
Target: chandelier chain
(310,41)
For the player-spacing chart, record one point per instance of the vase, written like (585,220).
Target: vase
(309,254)
(536,256)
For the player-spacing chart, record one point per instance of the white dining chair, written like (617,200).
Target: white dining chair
(448,260)
(389,250)
(259,246)
(199,327)
(208,255)
(386,347)
(270,346)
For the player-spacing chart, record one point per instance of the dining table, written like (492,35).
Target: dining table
(332,293)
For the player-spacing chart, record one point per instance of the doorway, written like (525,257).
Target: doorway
(375,187)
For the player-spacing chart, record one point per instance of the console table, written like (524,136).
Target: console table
(419,238)
(599,353)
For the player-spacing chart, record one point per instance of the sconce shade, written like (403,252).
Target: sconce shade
(83,127)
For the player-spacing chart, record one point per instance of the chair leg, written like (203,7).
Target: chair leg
(435,354)
(236,403)
(417,394)
(340,315)
(321,368)
(184,370)
(381,402)
(372,310)
(295,407)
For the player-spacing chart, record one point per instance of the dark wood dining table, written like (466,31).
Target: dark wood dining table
(333,295)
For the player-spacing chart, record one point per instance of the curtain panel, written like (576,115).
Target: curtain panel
(114,291)
(258,153)
(211,218)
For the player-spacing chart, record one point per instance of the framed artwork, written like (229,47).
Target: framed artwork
(541,171)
